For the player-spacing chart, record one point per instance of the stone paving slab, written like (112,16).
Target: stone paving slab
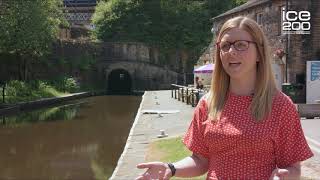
(146,127)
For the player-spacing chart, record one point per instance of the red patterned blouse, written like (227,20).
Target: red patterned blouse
(237,147)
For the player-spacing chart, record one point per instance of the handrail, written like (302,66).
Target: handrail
(190,95)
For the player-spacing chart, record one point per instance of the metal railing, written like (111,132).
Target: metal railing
(189,95)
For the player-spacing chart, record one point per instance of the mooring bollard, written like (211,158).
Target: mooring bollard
(162,134)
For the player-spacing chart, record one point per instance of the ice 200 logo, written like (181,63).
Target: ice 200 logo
(294,22)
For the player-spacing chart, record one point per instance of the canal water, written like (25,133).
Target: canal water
(81,140)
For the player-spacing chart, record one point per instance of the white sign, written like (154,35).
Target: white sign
(294,22)
(313,82)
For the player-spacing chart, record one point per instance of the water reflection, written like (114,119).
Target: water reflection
(65,112)
(82,141)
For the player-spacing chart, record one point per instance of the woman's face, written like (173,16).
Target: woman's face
(238,54)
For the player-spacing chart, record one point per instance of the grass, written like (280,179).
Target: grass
(169,150)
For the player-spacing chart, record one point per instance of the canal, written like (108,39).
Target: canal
(81,140)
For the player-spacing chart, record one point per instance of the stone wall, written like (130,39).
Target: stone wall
(144,76)
(143,64)
(315,29)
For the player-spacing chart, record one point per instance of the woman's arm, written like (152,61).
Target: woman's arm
(292,172)
(194,165)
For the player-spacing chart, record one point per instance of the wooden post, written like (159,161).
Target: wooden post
(187,95)
(182,94)
(197,97)
(172,91)
(192,99)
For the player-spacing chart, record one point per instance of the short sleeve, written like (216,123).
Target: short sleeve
(291,145)
(194,137)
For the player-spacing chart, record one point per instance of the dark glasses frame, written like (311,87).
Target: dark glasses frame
(232,43)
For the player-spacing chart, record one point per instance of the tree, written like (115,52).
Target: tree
(28,28)
(170,24)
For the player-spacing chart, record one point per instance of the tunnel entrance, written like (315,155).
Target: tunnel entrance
(119,82)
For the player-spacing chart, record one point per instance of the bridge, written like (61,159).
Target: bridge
(78,13)
(125,67)
(130,67)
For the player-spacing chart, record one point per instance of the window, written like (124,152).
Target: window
(259,18)
(280,20)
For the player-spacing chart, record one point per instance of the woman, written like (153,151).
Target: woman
(244,128)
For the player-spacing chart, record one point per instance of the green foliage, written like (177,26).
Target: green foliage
(65,84)
(239,2)
(111,19)
(19,91)
(27,28)
(169,24)
(71,84)
(85,62)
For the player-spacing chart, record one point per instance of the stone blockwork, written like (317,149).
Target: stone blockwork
(144,76)
(298,48)
(144,65)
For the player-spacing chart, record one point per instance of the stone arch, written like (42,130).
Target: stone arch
(119,82)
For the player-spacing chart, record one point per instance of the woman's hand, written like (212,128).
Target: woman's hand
(292,172)
(279,174)
(156,170)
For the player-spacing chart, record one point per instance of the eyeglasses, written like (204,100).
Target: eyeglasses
(239,45)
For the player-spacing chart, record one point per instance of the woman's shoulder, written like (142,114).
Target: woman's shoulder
(204,101)
(282,100)
(205,98)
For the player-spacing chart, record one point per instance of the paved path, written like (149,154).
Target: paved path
(311,129)
(146,127)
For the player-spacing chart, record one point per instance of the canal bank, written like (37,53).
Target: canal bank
(146,128)
(46,102)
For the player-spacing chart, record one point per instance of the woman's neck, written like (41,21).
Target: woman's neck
(242,86)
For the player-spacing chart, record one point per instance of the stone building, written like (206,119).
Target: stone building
(289,52)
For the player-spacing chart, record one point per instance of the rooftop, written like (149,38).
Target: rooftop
(247,5)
